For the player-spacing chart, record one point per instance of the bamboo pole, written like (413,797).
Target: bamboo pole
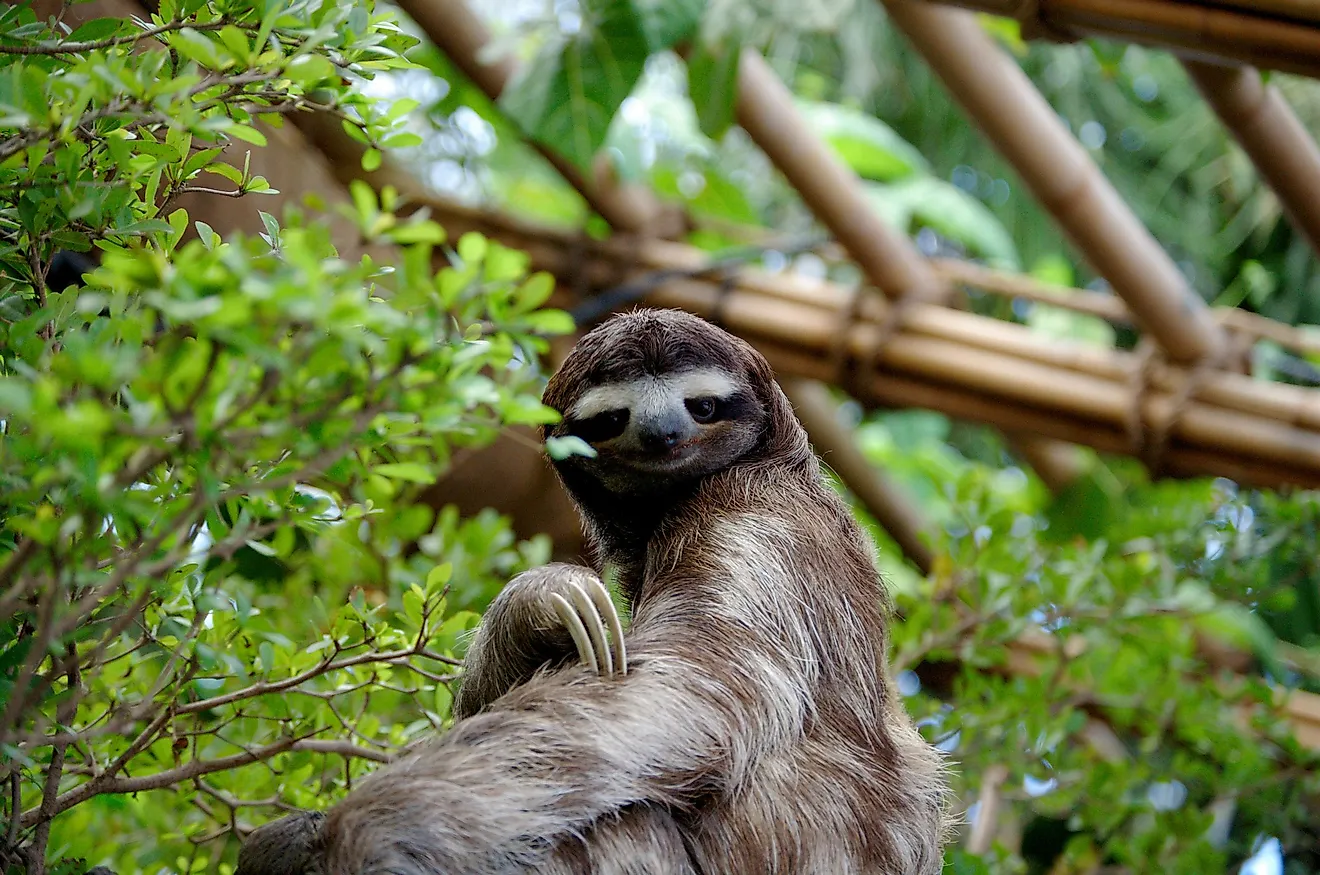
(885,500)
(990,800)
(1271,34)
(832,191)
(823,302)
(1300,10)
(1271,135)
(1102,305)
(1023,127)
(1258,433)
(1206,30)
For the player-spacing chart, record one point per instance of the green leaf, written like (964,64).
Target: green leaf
(247,133)
(550,322)
(472,248)
(713,84)
(418,232)
(668,22)
(236,42)
(310,70)
(1086,507)
(559,448)
(228,171)
(566,97)
(410,471)
(520,411)
(15,398)
(919,202)
(404,140)
(535,291)
(717,196)
(866,144)
(438,576)
(98,29)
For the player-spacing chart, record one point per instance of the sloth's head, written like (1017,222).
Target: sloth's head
(666,399)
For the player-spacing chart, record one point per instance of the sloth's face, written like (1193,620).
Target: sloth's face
(657,430)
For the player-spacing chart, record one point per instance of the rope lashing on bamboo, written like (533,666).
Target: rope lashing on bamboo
(855,373)
(838,355)
(1150,434)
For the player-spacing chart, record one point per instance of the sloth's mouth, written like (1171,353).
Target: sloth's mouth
(664,460)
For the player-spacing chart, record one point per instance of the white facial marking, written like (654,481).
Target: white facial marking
(652,395)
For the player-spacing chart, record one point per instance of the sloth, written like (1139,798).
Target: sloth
(745,723)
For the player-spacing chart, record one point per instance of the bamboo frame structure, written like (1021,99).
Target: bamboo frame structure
(1271,34)
(1026,131)
(959,363)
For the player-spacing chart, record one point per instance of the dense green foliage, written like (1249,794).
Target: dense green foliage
(220,596)
(208,451)
(1092,646)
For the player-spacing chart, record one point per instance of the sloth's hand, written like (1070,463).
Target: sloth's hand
(542,618)
(560,598)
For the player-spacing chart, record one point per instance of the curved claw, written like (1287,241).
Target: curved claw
(589,611)
(605,605)
(585,612)
(575,628)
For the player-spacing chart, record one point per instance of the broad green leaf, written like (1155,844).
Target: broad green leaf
(866,144)
(715,196)
(567,95)
(410,471)
(712,73)
(668,22)
(928,202)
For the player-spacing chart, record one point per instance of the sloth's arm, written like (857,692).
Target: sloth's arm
(543,617)
(704,695)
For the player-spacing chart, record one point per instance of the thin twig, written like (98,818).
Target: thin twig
(71,48)
(15,806)
(344,749)
(54,770)
(164,779)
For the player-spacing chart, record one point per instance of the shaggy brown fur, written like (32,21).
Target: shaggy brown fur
(756,730)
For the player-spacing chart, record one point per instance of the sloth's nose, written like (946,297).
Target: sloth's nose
(663,433)
(661,440)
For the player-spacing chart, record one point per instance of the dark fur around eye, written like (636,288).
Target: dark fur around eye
(601,427)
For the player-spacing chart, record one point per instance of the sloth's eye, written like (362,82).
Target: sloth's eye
(703,410)
(601,427)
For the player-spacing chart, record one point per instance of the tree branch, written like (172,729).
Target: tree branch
(71,48)
(161,780)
